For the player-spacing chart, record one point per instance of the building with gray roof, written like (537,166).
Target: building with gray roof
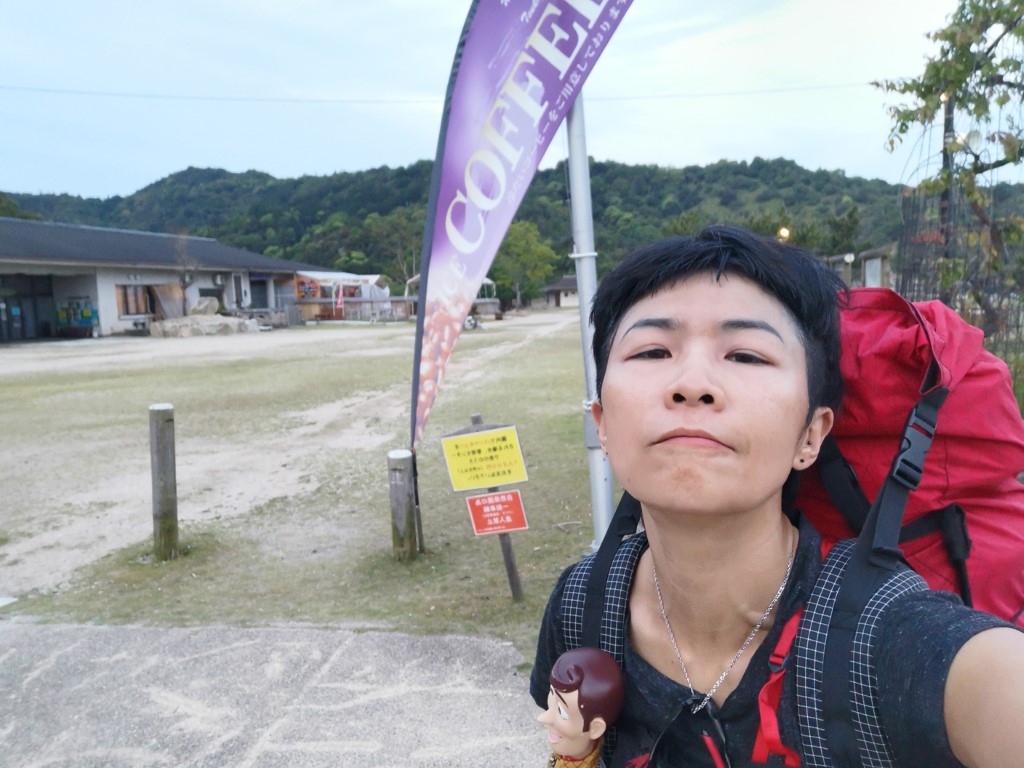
(74,280)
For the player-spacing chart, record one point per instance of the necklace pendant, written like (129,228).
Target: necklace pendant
(694,702)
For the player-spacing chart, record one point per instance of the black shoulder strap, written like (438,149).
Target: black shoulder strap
(842,485)
(951,523)
(864,743)
(596,592)
(624,523)
(840,481)
(868,564)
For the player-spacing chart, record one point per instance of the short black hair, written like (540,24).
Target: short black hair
(808,289)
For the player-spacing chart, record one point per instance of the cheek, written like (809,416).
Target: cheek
(785,422)
(620,407)
(618,438)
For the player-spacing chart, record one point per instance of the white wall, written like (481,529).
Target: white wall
(94,292)
(107,281)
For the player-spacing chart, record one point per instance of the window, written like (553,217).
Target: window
(873,272)
(134,300)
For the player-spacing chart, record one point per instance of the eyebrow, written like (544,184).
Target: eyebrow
(670,324)
(761,325)
(559,695)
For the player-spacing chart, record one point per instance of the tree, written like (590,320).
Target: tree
(523,264)
(841,234)
(688,223)
(10,209)
(326,243)
(976,75)
(188,267)
(784,225)
(394,241)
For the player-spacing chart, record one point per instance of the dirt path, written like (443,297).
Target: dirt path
(99,511)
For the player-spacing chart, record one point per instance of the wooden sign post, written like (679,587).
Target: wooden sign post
(485,456)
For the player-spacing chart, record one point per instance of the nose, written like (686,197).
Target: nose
(707,398)
(694,383)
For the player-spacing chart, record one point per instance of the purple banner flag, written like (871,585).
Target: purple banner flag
(518,68)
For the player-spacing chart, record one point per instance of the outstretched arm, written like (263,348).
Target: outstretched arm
(984,700)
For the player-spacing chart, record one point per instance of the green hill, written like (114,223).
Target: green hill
(372,221)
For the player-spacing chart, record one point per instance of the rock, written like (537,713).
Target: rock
(206,305)
(202,325)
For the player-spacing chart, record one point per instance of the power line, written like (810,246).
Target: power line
(403,102)
(719,94)
(194,97)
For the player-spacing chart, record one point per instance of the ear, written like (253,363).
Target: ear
(813,436)
(597,728)
(597,411)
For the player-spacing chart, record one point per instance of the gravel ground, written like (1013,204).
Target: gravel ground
(220,696)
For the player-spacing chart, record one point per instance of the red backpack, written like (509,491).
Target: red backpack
(918,383)
(963,525)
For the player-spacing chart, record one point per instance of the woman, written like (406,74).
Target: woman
(717,376)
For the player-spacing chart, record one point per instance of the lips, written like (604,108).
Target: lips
(554,737)
(694,438)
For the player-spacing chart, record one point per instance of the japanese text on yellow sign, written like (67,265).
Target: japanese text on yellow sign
(484,459)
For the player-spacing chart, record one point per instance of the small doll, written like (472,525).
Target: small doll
(584,700)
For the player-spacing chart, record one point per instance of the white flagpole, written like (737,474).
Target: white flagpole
(585,258)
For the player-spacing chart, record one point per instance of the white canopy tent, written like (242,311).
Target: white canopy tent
(342,295)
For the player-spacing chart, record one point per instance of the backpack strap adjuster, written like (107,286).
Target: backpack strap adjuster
(917,439)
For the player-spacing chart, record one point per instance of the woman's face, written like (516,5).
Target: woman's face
(704,401)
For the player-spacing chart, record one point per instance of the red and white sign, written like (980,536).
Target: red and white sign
(499,512)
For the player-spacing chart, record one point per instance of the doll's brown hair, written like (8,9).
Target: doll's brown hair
(596,676)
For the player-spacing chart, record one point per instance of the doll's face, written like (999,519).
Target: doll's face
(565,725)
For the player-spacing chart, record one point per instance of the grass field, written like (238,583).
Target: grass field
(283,501)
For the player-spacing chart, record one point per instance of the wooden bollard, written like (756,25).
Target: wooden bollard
(403,505)
(165,484)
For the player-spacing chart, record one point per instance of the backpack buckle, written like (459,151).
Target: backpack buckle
(908,467)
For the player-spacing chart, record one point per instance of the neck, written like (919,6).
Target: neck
(717,576)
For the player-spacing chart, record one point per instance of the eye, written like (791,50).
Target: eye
(653,353)
(562,713)
(747,358)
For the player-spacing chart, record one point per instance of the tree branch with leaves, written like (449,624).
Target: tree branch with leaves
(975,78)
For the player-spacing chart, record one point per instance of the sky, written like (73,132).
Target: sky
(105,97)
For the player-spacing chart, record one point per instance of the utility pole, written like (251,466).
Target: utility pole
(946,199)
(585,257)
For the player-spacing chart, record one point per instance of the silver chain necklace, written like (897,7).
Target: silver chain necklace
(750,638)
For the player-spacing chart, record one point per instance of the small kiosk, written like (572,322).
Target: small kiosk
(343,296)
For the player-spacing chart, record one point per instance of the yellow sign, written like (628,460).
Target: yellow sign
(484,459)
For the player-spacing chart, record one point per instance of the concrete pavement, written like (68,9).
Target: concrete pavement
(88,696)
